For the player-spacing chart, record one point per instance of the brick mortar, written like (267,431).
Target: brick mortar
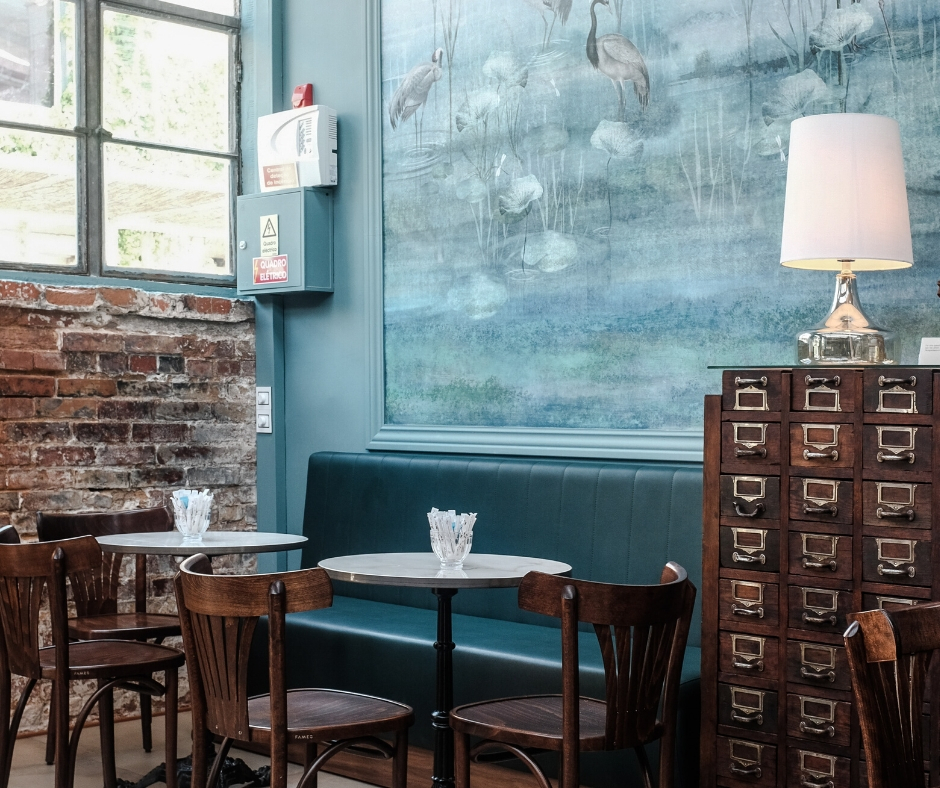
(110,398)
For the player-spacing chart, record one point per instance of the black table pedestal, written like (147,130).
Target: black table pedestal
(443,774)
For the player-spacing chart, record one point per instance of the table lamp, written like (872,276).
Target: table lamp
(846,210)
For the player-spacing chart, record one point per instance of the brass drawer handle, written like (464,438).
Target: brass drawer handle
(761,381)
(827,731)
(826,675)
(747,611)
(821,455)
(883,381)
(832,509)
(884,570)
(746,771)
(828,620)
(813,784)
(756,718)
(758,510)
(759,665)
(807,564)
(811,381)
(744,558)
(882,513)
(750,452)
(909,456)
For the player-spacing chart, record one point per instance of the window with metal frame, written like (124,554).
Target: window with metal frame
(119,137)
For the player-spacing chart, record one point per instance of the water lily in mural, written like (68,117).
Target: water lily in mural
(516,199)
(477,108)
(547,139)
(503,69)
(795,97)
(478,296)
(840,27)
(774,140)
(551,251)
(617,140)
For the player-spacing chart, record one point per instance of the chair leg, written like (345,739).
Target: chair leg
(461,760)
(400,760)
(310,755)
(10,725)
(146,722)
(64,771)
(220,756)
(172,691)
(106,731)
(50,730)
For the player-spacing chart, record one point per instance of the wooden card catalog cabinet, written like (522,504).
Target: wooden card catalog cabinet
(819,501)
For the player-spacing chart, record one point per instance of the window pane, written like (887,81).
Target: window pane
(166,211)
(165,82)
(37,62)
(37,199)
(216,6)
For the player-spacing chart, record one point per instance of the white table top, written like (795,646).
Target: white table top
(213,543)
(480,570)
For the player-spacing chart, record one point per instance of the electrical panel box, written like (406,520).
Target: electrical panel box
(285,242)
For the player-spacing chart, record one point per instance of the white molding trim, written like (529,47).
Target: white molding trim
(675,446)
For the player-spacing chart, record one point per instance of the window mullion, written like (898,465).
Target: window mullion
(91,154)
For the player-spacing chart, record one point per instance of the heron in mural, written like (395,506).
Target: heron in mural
(413,91)
(560,10)
(619,60)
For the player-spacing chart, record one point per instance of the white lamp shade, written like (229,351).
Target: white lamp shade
(846,197)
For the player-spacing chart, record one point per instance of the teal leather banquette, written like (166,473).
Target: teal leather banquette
(616,522)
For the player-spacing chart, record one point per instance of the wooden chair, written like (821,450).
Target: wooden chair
(219,615)
(26,572)
(642,664)
(889,652)
(98,615)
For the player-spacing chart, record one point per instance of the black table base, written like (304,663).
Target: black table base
(443,774)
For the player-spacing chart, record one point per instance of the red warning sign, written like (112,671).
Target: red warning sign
(270,270)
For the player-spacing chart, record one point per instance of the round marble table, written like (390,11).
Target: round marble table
(213,543)
(480,570)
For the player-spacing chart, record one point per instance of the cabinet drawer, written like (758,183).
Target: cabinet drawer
(751,390)
(889,601)
(826,390)
(750,497)
(808,768)
(898,504)
(749,548)
(821,500)
(817,665)
(747,708)
(822,445)
(905,561)
(746,600)
(754,443)
(896,448)
(747,763)
(821,555)
(747,655)
(898,391)
(819,609)
(819,719)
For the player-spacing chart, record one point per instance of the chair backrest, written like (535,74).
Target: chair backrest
(642,631)
(101,597)
(218,616)
(26,571)
(8,535)
(889,652)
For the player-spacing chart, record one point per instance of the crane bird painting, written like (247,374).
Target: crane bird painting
(555,260)
(413,91)
(618,59)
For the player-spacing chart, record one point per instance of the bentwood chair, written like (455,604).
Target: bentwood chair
(219,615)
(889,652)
(98,615)
(642,664)
(27,571)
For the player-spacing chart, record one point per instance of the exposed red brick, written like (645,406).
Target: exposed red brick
(92,341)
(14,455)
(86,387)
(52,501)
(19,291)
(70,408)
(112,362)
(119,296)
(160,433)
(199,368)
(208,306)
(227,368)
(26,386)
(162,476)
(32,339)
(142,364)
(102,432)
(16,359)
(31,432)
(53,456)
(71,296)
(81,362)
(125,410)
(16,408)
(41,478)
(161,303)
(49,360)
(126,455)
(151,343)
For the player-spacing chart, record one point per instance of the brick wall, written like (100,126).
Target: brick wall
(110,398)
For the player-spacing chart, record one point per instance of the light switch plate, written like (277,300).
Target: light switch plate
(264,418)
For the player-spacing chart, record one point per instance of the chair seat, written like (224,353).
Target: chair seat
(533,721)
(124,626)
(322,715)
(94,659)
